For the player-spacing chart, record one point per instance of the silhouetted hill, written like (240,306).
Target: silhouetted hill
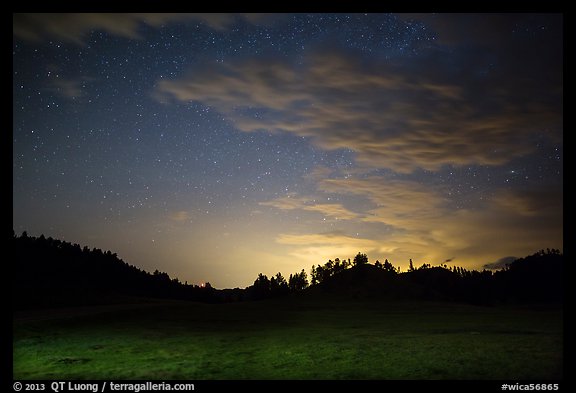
(369,281)
(51,273)
(365,281)
(440,283)
(534,279)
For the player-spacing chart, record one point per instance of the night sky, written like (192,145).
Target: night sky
(215,147)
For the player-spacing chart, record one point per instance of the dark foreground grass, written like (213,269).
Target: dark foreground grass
(292,339)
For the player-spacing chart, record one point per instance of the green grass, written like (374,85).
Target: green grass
(293,339)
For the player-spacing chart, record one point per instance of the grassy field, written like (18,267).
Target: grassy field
(290,339)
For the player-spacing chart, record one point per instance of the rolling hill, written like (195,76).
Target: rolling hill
(53,273)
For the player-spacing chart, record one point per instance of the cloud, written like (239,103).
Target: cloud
(180,216)
(69,88)
(396,116)
(321,247)
(415,214)
(395,202)
(500,263)
(458,28)
(332,210)
(530,202)
(330,238)
(480,29)
(290,202)
(401,219)
(319,173)
(74,27)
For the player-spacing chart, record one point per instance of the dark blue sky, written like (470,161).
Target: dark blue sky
(218,146)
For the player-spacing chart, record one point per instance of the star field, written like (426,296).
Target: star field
(218,146)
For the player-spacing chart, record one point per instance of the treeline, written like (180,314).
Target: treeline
(47,272)
(277,285)
(50,272)
(536,278)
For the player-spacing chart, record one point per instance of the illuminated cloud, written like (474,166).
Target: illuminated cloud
(404,219)
(73,27)
(332,210)
(530,203)
(319,173)
(415,213)
(290,202)
(180,216)
(324,239)
(395,202)
(391,116)
(314,248)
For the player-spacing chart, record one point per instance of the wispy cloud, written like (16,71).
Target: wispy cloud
(180,216)
(405,219)
(395,202)
(530,202)
(68,87)
(319,247)
(332,210)
(500,263)
(391,116)
(73,27)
